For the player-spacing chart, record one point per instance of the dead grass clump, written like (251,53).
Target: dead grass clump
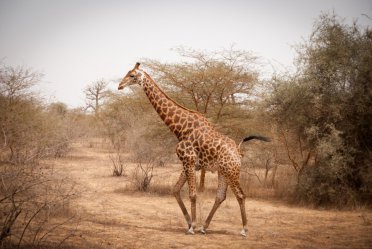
(277,183)
(143,174)
(286,182)
(161,187)
(117,164)
(158,189)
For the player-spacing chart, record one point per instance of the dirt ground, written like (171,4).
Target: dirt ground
(111,216)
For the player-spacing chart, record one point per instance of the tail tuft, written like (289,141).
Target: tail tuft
(262,138)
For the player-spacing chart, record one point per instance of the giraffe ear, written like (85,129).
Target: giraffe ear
(137,65)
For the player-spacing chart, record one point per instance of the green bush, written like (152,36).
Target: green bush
(326,105)
(330,181)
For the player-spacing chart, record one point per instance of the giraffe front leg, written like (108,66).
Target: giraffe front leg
(177,193)
(188,157)
(191,180)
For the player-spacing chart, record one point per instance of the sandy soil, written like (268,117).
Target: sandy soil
(114,217)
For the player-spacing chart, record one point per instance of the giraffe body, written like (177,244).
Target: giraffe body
(200,146)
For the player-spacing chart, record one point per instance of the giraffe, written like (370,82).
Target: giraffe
(200,146)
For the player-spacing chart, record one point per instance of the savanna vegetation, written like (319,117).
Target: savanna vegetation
(33,203)
(319,119)
(318,116)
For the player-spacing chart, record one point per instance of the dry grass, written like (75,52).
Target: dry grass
(115,216)
(254,184)
(43,205)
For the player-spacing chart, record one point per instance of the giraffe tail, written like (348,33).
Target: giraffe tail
(262,138)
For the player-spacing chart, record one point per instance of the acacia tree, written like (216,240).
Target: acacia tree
(327,107)
(95,93)
(16,82)
(209,82)
(20,113)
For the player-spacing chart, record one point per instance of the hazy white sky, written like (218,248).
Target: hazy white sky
(75,42)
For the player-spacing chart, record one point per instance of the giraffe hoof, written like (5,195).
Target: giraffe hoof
(202,230)
(191,231)
(243,233)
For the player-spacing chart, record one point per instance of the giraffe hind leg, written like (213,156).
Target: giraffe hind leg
(239,194)
(202,180)
(220,197)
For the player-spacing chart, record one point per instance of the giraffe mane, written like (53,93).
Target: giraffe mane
(166,95)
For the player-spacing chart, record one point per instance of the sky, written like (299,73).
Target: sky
(76,42)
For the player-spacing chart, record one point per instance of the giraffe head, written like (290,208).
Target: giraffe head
(134,76)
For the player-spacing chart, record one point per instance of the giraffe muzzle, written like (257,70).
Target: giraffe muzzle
(122,85)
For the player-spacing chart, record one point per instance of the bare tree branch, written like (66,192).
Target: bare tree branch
(95,93)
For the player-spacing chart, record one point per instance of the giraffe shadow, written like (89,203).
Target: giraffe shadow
(177,230)
(219,232)
(183,230)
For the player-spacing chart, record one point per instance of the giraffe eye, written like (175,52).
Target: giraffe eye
(132,76)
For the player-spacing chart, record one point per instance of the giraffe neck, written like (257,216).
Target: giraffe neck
(179,119)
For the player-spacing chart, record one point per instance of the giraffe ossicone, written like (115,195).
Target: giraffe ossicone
(199,143)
